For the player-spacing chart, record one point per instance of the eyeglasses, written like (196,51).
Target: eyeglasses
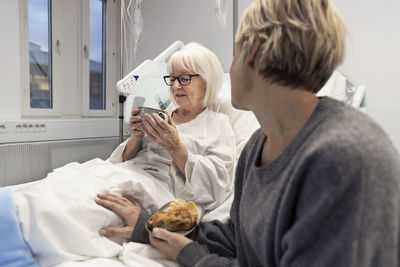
(183,79)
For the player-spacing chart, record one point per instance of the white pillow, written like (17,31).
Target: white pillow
(340,88)
(244,123)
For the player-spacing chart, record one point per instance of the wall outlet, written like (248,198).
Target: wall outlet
(31,127)
(3,128)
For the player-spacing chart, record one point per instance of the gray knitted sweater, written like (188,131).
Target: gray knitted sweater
(332,198)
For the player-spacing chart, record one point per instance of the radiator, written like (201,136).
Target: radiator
(28,162)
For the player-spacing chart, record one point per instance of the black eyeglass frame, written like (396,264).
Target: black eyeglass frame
(179,79)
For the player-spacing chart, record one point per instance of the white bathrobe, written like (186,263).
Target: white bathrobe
(210,142)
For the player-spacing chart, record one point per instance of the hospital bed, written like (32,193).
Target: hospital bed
(146,81)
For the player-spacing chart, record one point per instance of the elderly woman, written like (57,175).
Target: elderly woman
(191,156)
(192,153)
(319,183)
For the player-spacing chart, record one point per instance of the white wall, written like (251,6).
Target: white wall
(187,20)
(10,82)
(373,57)
(242,5)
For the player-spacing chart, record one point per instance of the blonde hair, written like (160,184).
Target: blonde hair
(302,41)
(196,58)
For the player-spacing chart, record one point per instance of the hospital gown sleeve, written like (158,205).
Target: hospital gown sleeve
(116,155)
(209,174)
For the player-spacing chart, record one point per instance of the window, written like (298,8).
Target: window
(72,64)
(39,56)
(98,21)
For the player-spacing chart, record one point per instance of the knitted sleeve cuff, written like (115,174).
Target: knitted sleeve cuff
(191,254)
(140,234)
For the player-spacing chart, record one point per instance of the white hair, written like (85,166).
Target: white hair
(196,58)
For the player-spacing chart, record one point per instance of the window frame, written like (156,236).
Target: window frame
(82,38)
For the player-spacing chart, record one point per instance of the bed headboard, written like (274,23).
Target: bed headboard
(341,88)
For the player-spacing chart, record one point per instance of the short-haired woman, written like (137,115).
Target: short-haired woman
(319,183)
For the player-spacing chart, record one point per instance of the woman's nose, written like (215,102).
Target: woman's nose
(175,84)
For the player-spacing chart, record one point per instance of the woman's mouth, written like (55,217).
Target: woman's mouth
(180,95)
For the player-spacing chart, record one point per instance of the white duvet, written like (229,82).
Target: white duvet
(60,220)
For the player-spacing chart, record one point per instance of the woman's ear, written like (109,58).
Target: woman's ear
(255,47)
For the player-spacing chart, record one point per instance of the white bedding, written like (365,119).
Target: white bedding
(60,219)
(132,254)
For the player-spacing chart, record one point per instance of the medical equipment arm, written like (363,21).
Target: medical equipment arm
(146,81)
